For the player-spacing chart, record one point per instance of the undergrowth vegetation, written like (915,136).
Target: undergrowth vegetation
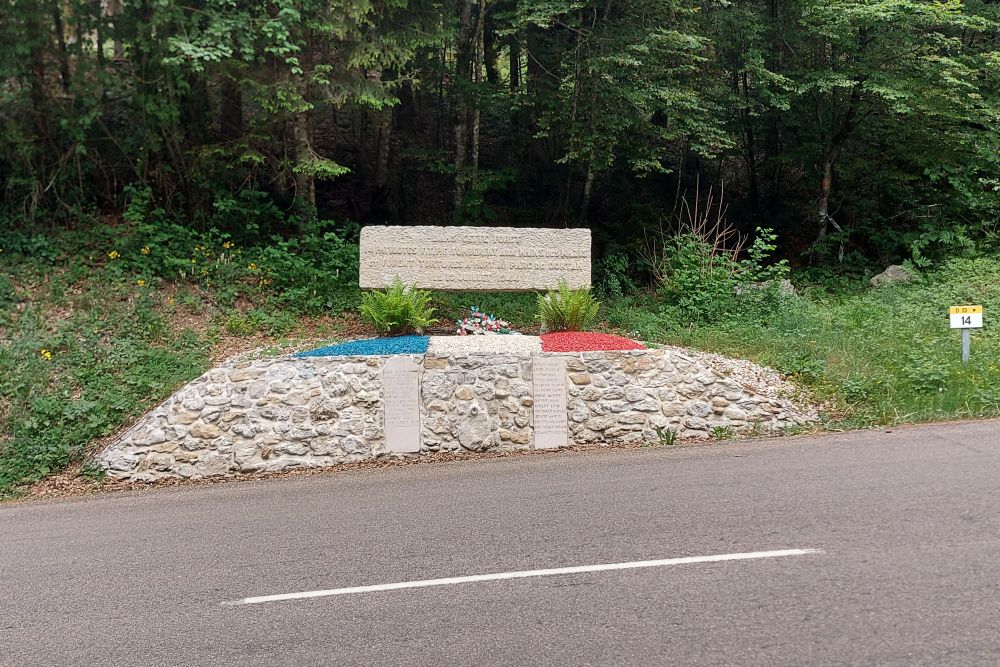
(79,358)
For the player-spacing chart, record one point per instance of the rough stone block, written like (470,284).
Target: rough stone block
(505,258)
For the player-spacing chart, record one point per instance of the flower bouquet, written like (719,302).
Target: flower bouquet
(478,323)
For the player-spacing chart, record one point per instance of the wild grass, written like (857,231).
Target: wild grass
(876,357)
(79,360)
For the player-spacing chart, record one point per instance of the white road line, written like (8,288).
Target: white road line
(523,574)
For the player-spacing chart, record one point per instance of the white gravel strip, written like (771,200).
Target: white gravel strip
(524,346)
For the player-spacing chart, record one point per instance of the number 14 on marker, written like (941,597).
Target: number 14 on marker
(966,317)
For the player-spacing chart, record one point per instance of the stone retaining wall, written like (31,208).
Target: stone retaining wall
(288,412)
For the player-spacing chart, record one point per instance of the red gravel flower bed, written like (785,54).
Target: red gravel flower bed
(582,341)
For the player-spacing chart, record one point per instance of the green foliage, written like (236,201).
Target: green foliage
(398,309)
(68,380)
(615,273)
(666,435)
(314,273)
(708,283)
(723,433)
(565,309)
(254,119)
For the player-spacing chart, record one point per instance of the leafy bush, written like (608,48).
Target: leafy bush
(565,309)
(314,273)
(709,283)
(614,273)
(398,310)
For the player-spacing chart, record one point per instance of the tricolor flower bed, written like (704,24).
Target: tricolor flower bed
(584,341)
(562,341)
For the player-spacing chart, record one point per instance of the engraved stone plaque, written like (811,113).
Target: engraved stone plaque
(475,258)
(551,422)
(401,397)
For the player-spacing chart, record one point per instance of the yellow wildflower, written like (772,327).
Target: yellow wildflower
(45,354)
(140,282)
(145,250)
(252,266)
(228,244)
(113,255)
(170,300)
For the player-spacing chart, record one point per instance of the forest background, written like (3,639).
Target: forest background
(857,130)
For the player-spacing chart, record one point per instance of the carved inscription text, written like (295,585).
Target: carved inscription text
(550,419)
(401,417)
(475,258)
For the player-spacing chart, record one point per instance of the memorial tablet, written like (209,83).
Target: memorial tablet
(551,422)
(401,413)
(475,258)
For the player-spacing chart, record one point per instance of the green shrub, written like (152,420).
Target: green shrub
(565,309)
(614,273)
(709,283)
(314,273)
(397,310)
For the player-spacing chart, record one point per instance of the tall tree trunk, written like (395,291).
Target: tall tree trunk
(60,30)
(490,56)
(840,135)
(305,182)
(463,66)
(515,63)
(382,151)
(112,8)
(751,148)
(98,14)
(440,93)
(478,58)
(588,188)
(305,156)
(826,187)
(37,161)
(230,109)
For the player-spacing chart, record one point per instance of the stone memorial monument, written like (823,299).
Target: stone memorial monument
(490,259)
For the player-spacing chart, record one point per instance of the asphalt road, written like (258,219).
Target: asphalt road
(908,523)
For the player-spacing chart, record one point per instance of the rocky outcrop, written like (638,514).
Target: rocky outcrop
(894,274)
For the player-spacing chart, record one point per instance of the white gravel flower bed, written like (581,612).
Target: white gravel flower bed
(525,346)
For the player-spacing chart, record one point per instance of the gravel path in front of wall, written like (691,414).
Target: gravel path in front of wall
(524,346)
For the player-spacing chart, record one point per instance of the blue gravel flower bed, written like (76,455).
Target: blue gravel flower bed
(397,345)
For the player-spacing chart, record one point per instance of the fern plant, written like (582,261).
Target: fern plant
(565,309)
(398,310)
